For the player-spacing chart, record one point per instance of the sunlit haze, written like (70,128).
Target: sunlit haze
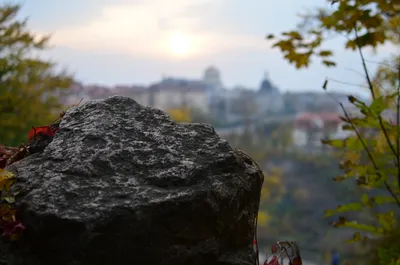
(136,41)
(180,45)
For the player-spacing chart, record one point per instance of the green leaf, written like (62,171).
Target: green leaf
(9,199)
(352,206)
(354,144)
(334,143)
(347,127)
(352,99)
(365,199)
(387,220)
(339,178)
(349,207)
(378,105)
(355,225)
(328,213)
(383,199)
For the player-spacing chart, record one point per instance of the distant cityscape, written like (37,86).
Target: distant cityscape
(234,110)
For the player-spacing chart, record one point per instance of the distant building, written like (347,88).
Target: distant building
(307,101)
(172,93)
(216,93)
(212,78)
(97,91)
(76,93)
(139,93)
(242,104)
(269,98)
(310,128)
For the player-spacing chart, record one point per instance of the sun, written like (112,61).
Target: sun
(179,45)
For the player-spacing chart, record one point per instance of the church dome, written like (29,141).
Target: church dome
(266,86)
(212,77)
(211,72)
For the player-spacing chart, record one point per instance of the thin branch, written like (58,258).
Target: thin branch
(364,64)
(354,71)
(382,64)
(371,88)
(345,83)
(369,154)
(363,75)
(398,127)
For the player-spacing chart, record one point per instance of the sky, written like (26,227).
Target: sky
(126,42)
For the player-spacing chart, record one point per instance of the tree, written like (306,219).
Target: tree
(30,87)
(371,157)
(181,115)
(200,116)
(271,192)
(244,105)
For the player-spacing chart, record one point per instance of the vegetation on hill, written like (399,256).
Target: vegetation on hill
(30,87)
(370,157)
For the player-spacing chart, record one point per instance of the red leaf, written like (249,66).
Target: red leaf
(45,130)
(3,162)
(12,228)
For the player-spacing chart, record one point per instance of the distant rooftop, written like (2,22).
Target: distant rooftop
(178,84)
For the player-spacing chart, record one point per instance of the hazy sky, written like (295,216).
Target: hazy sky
(129,41)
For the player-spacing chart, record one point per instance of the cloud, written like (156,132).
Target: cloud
(144,29)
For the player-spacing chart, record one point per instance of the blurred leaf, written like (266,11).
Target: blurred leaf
(328,63)
(324,86)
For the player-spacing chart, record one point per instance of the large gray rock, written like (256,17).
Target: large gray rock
(121,183)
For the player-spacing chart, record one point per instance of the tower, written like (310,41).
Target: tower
(212,77)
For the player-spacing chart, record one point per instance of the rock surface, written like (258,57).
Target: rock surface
(121,183)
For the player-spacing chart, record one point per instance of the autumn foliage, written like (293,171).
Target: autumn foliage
(10,225)
(30,87)
(371,155)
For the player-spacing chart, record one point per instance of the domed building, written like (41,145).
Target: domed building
(212,77)
(216,93)
(269,97)
(266,86)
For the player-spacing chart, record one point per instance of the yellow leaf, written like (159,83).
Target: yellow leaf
(6,212)
(325,53)
(263,218)
(6,179)
(328,63)
(14,237)
(180,115)
(352,156)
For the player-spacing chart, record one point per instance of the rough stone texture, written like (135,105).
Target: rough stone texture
(121,183)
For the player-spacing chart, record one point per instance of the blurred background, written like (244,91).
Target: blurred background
(205,61)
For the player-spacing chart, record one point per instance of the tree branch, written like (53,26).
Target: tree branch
(398,127)
(369,154)
(371,88)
